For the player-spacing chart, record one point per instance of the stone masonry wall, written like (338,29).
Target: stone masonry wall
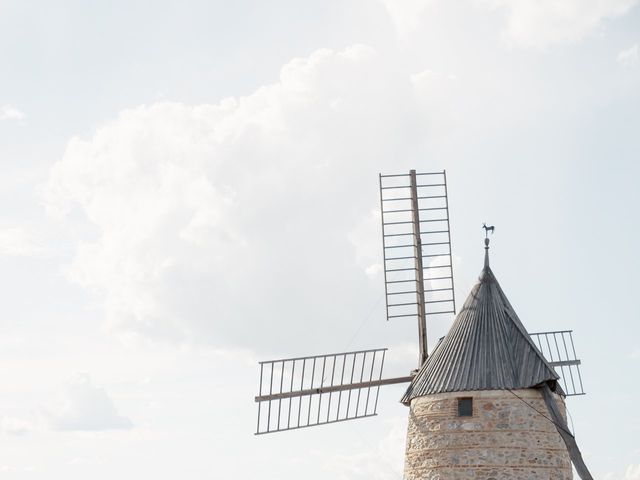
(504,439)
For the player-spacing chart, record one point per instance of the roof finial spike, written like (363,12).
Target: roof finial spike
(486,242)
(486,252)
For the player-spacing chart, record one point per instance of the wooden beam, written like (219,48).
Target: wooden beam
(334,388)
(417,253)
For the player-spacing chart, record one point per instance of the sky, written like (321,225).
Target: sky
(190,187)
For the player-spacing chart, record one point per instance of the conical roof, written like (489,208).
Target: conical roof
(487,348)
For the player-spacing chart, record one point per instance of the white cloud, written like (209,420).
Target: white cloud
(629,57)
(539,23)
(404,353)
(632,472)
(86,461)
(9,113)
(383,460)
(529,23)
(82,406)
(189,207)
(19,242)
(364,237)
(14,426)
(13,468)
(406,14)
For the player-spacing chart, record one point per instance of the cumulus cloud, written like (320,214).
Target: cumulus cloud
(382,460)
(406,14)
(539,23)
(528,23)
(19,242)
(632,472)
(367,252)
(9,113)
(14,426)
(193,232)
(82,406)
(629,57)
(13,468)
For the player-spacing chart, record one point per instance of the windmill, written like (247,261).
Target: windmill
(487,357)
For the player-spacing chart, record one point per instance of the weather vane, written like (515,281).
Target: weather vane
(487,230)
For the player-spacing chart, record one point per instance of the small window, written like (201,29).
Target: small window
(465,407)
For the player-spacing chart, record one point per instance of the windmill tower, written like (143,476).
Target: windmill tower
(487,403)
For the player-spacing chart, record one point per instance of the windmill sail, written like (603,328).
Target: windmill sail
(558,349)
(416,242)
(308,391)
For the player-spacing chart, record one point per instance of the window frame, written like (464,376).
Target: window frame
(462,402)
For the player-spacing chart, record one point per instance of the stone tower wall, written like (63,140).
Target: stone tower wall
(503,439)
